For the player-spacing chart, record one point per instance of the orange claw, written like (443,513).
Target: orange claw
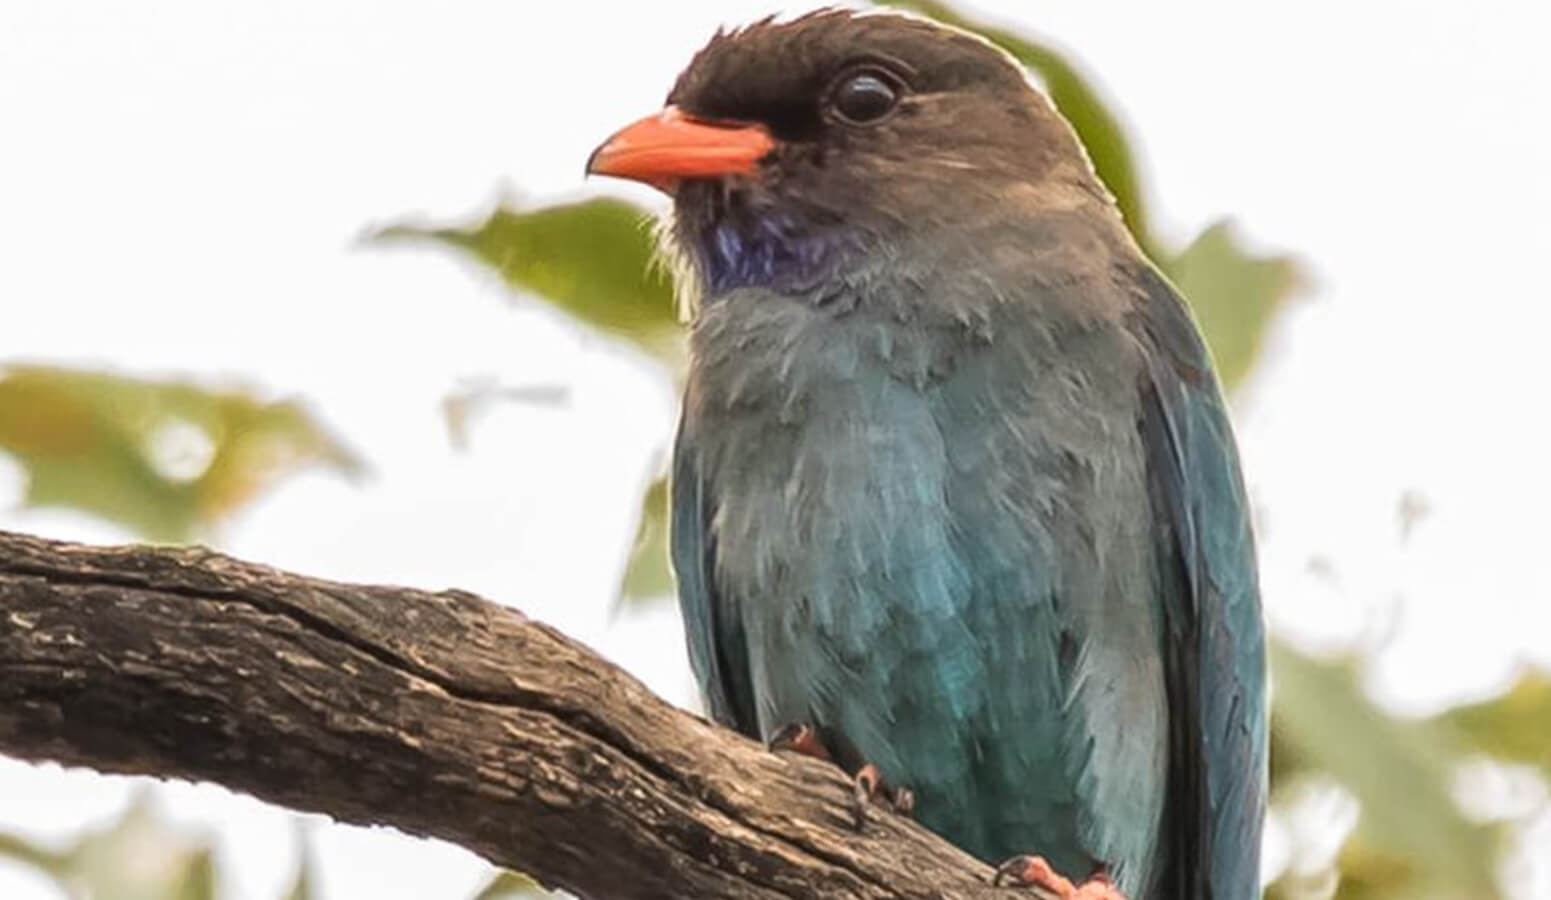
(802,739)
(868,786)
(1034,872)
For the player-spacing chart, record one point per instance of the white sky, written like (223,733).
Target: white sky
(182,185)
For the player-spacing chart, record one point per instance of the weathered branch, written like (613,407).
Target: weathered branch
(441,714)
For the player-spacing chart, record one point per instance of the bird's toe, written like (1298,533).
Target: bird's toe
(1035,873)
(800,737)
(869,787)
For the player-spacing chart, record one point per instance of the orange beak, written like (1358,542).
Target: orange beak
(663,149)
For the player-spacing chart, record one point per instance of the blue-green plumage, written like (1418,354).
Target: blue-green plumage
(955,480)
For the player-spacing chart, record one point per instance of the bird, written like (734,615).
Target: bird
(956,501)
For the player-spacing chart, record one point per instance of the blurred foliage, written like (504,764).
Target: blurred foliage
(596,262)
(648,574)
(166,460)
(87,441)
(302,886)
(142,857)
(163,459)
(509,886)
(584,258)
(1400,772)
(1235,296)
(1515,727)
(136,858)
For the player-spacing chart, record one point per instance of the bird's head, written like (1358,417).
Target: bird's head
(796,150)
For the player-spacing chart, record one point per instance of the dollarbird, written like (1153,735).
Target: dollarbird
(955,497)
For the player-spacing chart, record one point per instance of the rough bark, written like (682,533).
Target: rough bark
(441,714)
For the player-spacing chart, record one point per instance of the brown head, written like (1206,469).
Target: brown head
(792,147)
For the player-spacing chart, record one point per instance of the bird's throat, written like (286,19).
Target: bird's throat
(771,250)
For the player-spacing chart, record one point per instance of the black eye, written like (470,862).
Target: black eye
(864,97)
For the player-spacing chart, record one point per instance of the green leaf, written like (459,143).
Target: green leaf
(24,851)
(302,886)
(1370,875)
(163,458)
(198,878)
(1399,770)
(1511,728)
(510,886)
(594,260)
(139,858)
(1079,101)
(1234,295)
(648,573)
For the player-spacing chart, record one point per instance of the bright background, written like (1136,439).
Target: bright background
(183,186)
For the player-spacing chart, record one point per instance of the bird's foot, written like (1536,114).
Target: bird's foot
(800,738)
(868,787)
(868,784)
(1033,872)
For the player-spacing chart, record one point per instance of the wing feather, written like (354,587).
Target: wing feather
(717,647)
(1215,660)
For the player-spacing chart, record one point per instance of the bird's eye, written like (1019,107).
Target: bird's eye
(864,97)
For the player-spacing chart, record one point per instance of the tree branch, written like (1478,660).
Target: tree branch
(440,714)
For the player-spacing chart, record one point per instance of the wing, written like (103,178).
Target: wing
(1215,642)
(717,650)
